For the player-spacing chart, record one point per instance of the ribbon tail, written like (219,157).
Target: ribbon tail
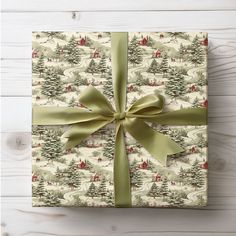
(63,115)
(121,170)
(80,131)
(157,144)
(186,116)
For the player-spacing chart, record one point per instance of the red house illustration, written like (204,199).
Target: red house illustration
(157,178)
(69,88)
(82,41)
(130,88)
(34,177)
(204,165)
(143,165)
(95,178)
(96,54)
(157,53)
(161,36)
(34,53)
(204,103)
(204,42)
(193,88)
(193,149)
(81,165)
(143,41)
(130,150)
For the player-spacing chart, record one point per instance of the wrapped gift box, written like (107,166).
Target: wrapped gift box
(66,63)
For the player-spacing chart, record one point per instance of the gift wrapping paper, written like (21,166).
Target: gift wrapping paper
(66,63)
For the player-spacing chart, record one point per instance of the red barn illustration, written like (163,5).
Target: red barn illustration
(96,54)
(204,165)
(81,165)
(34,53)
(157,53)
(204,42)
(143,41)
(143,165)
(34,177)
(82,41)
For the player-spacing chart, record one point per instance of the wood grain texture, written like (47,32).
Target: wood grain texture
(113,5)
(22,17)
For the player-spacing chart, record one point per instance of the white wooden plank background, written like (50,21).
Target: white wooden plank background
(19,18)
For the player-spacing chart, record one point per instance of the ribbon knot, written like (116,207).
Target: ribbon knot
(119,115)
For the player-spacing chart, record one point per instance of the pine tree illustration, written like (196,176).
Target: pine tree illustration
(51,199)
(154,67)
(164,190)
(102,190)
(201,141)
(40,190)
(52,147)
(135,53)
(73,54)
(136,179)
(108,86)
(202,81)
(58,51)
(164,64)
(176,85)
(196,102)
(40,67)
(181,51)
(92,191)
(58,174)
(182,175)
(73,180)
(102,66)
(92,67)
(109,147)
(72,102)
(110,199)
(52,85)
(154,191)
(196,52)
(174,199)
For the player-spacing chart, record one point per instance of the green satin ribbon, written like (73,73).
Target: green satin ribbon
(100,112)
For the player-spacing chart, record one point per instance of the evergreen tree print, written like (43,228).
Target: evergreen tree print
(174,199)
(197,53)
(40,67)
(52,147)
(92,67)
(135,54)
(136,179)
(154,191)
(52,85)
(176,86)
(92,191)
(110,199)
(181,51)
(109,147)
(102,190)
(72,102)
(73,54)
(164,64)
(154,67)
(108,86)
(58,51)
(40,190)
(164,191)
(51,199)
(102,67)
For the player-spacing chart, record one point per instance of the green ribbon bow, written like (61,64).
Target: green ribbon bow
(100,112)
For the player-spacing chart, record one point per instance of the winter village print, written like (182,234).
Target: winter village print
(64,64)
